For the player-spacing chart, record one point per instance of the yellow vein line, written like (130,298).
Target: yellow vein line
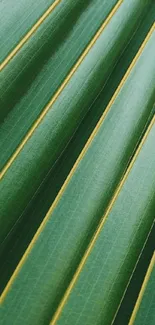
(130,279)
(98,231)
(40,229)
(46,109)
(142,291)
(28,35)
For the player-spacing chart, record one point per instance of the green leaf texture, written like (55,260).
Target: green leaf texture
(77,181)
(17,19)
(31,78)
(144,311)
(83,200)
(102,277)
(45,145)
(131,294)
(22,233)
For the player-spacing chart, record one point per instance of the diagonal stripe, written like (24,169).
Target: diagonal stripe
(142,291)
(130,279)
(45,220)
(29,34)
(46,109)
(99,229)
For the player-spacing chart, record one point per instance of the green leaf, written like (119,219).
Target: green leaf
(99,283)
(53,256)
(132,291)
(30,79)
(144,311)
(17,19)
(19,238)
(24,174)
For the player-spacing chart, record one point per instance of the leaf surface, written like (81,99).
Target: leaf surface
(39,152)
(57,248)
(18,239)
(144,311)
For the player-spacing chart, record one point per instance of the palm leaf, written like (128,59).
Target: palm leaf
(17,241)
(144,311)
(18,21)
(84,194)
(42,64)
(38,152)
(132,291)
(77,91)
(98,285)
